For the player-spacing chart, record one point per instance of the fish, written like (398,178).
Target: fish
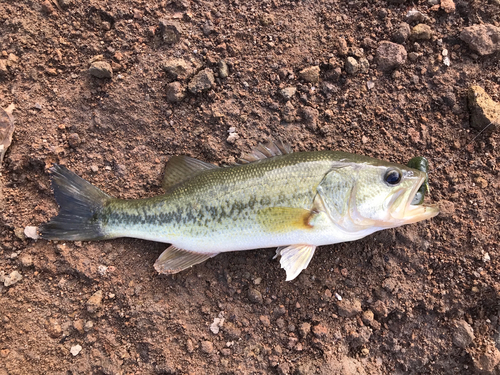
(273,197)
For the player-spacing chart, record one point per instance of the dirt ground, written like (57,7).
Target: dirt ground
(420,299)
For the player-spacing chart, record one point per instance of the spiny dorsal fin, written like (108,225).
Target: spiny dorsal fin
(175,260)
(182,168)
(268,150)
(294,259)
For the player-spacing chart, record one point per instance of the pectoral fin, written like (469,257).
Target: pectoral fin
(174,260)
(295,258)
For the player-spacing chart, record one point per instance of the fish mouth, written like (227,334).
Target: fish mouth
(408,213)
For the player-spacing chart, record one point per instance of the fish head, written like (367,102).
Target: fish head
(382,195)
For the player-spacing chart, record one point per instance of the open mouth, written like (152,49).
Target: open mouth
(415,209)
(403,207)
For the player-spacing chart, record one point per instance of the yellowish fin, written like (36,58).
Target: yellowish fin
(295,258)
(174,260)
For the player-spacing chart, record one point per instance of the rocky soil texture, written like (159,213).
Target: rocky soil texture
(112,89)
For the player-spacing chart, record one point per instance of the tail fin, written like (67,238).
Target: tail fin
(80,204)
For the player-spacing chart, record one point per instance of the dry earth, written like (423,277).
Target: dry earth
(421,299)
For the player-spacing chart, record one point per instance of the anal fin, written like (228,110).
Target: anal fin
(295,258)
(174,260)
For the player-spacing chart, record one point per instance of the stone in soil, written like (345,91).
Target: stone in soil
(94,302)
(380,309)
(175,92)
(390,56)
(177,69)
(421,32)
(202,81)
(463,334)
(483,39)
(101,69)
(75,350)
(288,92)
(223,69)
(351,65)
(10,279)
(255,296)
(483,110)
(310,74)
(402,33)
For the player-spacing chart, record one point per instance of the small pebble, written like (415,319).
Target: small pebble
(101,69)
(75,350)
(255,296)
(207,347)
(310,74)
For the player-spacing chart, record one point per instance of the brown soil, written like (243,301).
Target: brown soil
(418,281)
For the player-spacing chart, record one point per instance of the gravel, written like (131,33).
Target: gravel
(390,56)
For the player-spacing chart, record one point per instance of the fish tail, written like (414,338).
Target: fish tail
(80,204)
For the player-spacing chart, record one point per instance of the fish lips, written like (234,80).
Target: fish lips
(401,209)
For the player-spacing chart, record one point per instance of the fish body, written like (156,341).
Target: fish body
(293,201)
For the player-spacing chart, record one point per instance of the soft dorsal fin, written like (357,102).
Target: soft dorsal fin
(294,259)
(181,168)
(174,260)
(268,150)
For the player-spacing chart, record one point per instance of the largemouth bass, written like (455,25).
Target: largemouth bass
(274,198)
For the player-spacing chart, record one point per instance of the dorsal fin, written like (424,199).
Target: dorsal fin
(182,168)
(268,150)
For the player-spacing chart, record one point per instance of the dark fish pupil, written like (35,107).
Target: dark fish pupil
(392,177)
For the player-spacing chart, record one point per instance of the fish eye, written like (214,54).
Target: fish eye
(392,177)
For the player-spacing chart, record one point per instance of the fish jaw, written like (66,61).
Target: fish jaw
(403,212)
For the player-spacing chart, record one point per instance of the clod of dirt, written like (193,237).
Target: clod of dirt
(178,69)
(483,109)
(94,302)
(304,329)
(310,74)
(288,92)
(207,347)
(6,130)
(483,39)
(3,68)
(289,113)
(175,92)
(360,337)
(367,317)
(463,334)
(101,69)
(10,279)
(390,56)
(310,116)
(421,32)
(348,308)
(487,360)
(448,6)
(380,309)
(202,81)
(402,33)
(170,31)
